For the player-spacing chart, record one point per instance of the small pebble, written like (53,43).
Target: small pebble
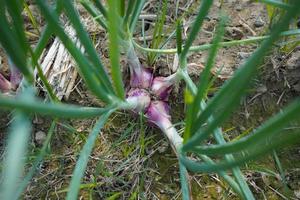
(243,55)
(294,61)
(238,8)
(242,128)
(262,89)
(259,22)
(40,137)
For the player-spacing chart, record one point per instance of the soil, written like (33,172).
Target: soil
(132,160)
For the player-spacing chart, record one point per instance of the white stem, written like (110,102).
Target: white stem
(174,78)
(175,139)
(176,142)
(133,60)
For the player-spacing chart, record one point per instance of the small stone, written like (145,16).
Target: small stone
(297,193)
(217,4)
(238,7)
(259,22)
(162,191)
(243,55)
(294,61)
(40,137)
(262,89)
(242,128)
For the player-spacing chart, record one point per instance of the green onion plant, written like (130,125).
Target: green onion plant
(147,94)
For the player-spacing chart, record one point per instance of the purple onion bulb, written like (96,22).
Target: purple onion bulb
(140,77)
(5,85)
(158,113)
(15,75)
(140,98)
(161,86)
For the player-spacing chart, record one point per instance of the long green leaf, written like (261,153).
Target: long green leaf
(14,159)
(184,181)
(46,34)
(14,8)
(128,13)
(240,179)
(94,12)
(280,169)
(10,42)
(84,158)
(224,175)
(179,37)
(205,75)
(251,155)
(241,186)
(204,78)
(229,95)
(139,4)
(276,3)
(55,110)
(122,4)
(114,53)
(244,190)
(267,130)
(204,47)
(101,7)
(157,33)
(202,13)
(36,53)
(36,163)
(88,45)
(31,17)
